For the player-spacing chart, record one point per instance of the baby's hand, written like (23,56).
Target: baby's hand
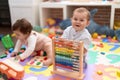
(13,54)
(47,62)
(17,57)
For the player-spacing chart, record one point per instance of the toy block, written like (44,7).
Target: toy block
(11,50)
(7,42)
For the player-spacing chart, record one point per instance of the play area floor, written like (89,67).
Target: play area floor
(103,64)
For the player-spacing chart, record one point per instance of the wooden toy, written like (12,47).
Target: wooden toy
(37,61)
(68,58)
(9,69)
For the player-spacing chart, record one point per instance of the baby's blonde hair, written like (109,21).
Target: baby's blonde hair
(83,10)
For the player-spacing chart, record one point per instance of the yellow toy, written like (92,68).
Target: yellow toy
(13,35)
(95,35)
(50,22)
(99,72)
(114,38)
(118,73)
(103,36)
(117,24)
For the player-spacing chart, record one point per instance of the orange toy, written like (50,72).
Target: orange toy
(10,69)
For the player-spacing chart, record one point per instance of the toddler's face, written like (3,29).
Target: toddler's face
(79,21)
(19,35)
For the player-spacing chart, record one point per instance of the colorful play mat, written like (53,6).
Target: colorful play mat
(103,64)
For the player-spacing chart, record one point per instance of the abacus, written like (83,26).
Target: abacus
(68,58)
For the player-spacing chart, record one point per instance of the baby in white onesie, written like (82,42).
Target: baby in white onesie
(33,40)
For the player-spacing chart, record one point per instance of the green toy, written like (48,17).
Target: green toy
(7,42)
(37,28)
(3,55)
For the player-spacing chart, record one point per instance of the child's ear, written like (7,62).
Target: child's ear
(88,23)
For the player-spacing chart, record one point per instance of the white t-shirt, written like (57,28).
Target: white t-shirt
(70,34)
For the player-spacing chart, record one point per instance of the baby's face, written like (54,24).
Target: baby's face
(79,21)
(20,35)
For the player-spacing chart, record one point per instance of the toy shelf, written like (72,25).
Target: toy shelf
(104,16)
(48,10)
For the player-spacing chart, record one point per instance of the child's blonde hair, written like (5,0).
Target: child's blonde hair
(83,10)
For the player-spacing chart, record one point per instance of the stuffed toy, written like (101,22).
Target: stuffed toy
(94,27)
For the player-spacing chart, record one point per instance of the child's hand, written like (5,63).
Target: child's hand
(17,57)
(13,54)
(47,62)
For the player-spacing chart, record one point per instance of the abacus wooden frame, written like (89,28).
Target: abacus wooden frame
(75,75)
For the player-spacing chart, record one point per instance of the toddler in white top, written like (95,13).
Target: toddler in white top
(78,31)
(33,40)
